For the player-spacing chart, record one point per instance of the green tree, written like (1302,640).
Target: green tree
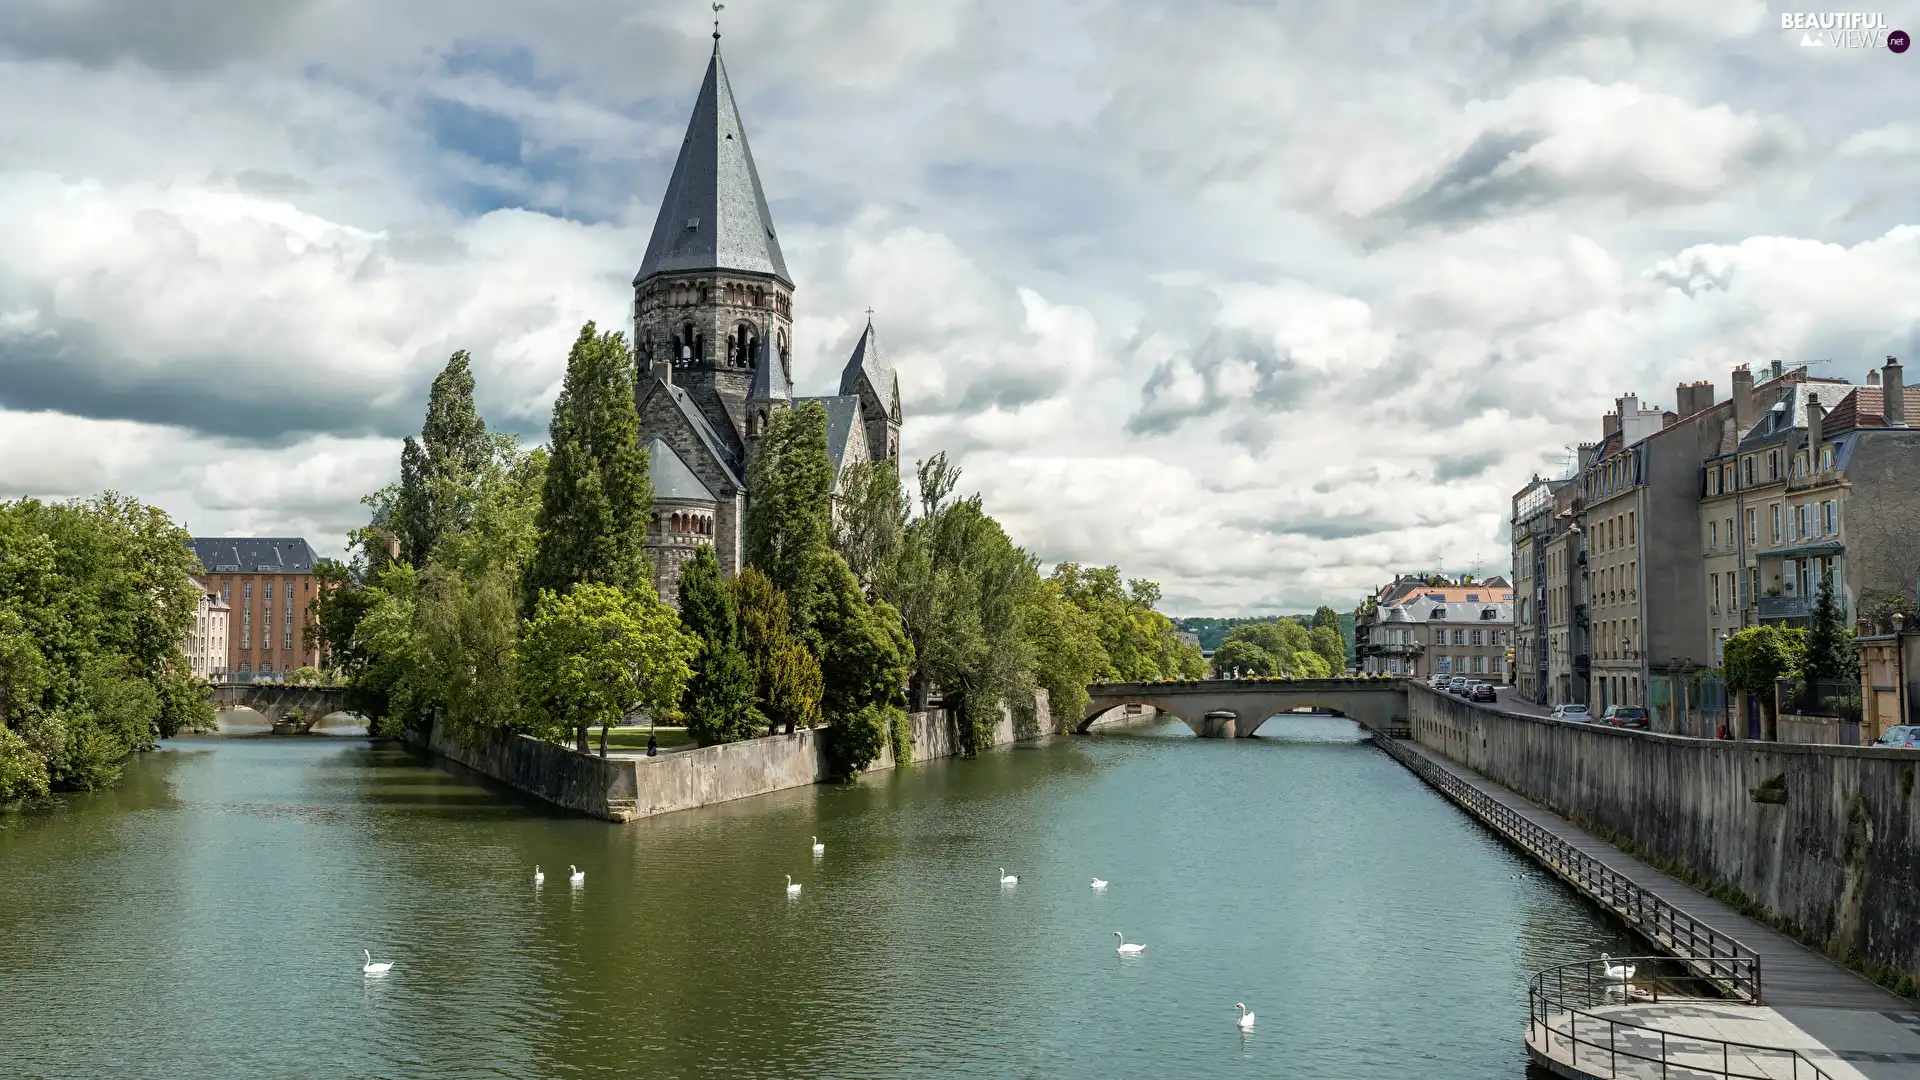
(597,492)
(1755,658)
(870,522)
(720,699)
(1325,616)
(1830,651)
(590,656)
(788,520)
(1328,645)
(437,473)
(1245,657)
(786,674)
(1065,645)
(864,660)
(95,600)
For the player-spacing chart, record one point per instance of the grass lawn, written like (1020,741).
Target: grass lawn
(635,738)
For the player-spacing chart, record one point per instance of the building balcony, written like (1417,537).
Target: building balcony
(1786,607)
(1395,650)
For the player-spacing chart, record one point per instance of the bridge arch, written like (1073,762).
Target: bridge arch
(1235,708)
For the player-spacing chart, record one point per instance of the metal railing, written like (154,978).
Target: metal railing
(1732,967)
(1561,1020)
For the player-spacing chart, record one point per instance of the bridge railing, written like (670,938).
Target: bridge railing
(1564,1023)
(1711,954)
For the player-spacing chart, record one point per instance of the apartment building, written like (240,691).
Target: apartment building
(1825,482)
(206,643)
(1540,516)
(1385,644)
(268,585)
(1427,633)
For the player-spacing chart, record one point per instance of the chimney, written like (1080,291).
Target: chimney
(1893,385)
(1609,425)
(1702,395)
(1683,399)
(1778,369)
(1815,417)
(1742,399)
(1873,377)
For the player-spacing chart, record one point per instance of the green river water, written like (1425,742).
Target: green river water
(206,920)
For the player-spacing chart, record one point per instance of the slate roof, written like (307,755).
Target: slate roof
(254,554)
(843,412)
(714,214)
(769,378)
(709,438)
(868,360)
(671,477)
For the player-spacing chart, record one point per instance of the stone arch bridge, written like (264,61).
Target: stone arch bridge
(1230,708)
(274,700)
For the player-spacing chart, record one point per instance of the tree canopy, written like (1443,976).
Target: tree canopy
(590,656)
(95,603)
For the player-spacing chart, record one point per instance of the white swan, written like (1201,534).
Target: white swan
(818,847)
(577,875)
(1099,883)
(1246,1018)
(538,877)
(793,887)
(1126,949)
(1616,971)
(1008,879)
(371,968)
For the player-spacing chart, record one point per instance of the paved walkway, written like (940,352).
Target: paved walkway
(1695,1038)
(1862,1024)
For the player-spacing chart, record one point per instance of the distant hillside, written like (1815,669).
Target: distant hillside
(1212,632)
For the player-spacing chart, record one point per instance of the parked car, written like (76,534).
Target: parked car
(1630,716)
(1572,710)
(1483,692)
(1903,735)
(1458,685)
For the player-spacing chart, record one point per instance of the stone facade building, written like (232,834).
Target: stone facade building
(268,585)
(206,643)
(713,341)
(1412,628)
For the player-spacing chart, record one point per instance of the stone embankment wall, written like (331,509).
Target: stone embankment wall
(1820,841)
(627,788)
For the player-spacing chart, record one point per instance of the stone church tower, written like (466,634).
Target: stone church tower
(712,333)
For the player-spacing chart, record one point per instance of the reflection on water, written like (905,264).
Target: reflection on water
(215,907)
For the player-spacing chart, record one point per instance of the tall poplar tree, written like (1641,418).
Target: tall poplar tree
(790,511)
(438,470)
(719,699)
(597,493)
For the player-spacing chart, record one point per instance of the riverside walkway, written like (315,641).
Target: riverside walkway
(1839,1021)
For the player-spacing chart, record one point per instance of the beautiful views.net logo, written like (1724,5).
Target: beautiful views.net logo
(1845,30)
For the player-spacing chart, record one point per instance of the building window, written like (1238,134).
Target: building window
(1773,464)
(1800,463)
(246,590)
(1716,593)
(1753,528)
(1803,527)
(1776,522)
(1473,638)
(1479,665)
(289,590)
(1632,530)
(1459,637)
(1730,533)
(1829,521)
(1443,665)
(1713,535)
(1746,470)
(1826,458)
(226,590)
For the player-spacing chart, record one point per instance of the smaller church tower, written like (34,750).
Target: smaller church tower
(771,390)
(871,378)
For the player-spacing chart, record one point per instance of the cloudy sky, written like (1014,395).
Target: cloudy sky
(1264,301)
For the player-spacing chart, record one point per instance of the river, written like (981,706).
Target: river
(206,919)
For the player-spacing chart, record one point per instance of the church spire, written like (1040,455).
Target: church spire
(714,215)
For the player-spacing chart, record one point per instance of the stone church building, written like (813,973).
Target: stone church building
(713,340)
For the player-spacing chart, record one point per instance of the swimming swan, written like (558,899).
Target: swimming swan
(578,876)
(1008,879)
(1099,884)
(818,847)
(371,968)
(1246,1018)
(793,887)
(1616,971)
(1126,949)
(538,877)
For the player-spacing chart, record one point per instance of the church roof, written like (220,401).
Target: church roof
(769,378)
(843,412)
(709,438)
(671,477)
(714,214)
(867,360)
